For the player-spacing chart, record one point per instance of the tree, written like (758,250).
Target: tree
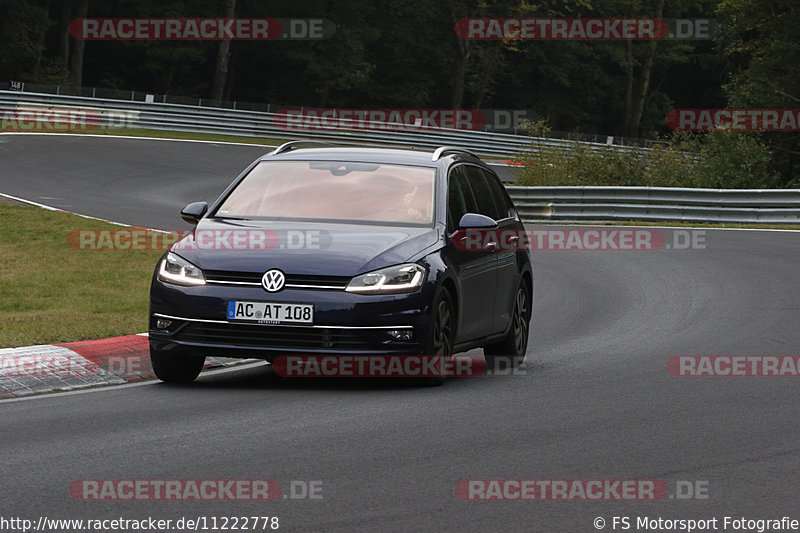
(22,27)
(40,42)
(761,42)
(223,58)
(76,61)
(64,38)
(635,101)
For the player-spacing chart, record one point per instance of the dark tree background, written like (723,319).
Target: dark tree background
(405,54)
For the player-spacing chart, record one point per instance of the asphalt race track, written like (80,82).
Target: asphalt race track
(595,400)
(101,176)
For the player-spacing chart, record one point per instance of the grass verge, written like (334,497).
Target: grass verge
(51,293)
(164,134)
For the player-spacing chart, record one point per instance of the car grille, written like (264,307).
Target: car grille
(314,282)
(272,336)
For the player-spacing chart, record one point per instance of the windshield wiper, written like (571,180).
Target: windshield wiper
(231,217)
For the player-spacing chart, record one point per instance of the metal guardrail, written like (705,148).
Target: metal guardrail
(536,204)
(497,120)
(178,117)
(657,204)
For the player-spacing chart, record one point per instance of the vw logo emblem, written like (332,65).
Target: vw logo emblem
(273,280)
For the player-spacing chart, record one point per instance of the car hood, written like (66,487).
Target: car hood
(302,248)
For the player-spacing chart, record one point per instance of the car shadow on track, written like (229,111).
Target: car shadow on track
(263,377)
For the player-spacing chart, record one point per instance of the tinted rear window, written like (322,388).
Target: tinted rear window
(483,194)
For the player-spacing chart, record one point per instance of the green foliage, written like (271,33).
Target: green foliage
(762,42)
(734,160)
(21,23)
(722,159)
(386,53)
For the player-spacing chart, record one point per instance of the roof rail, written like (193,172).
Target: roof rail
(443,150)
(293,145)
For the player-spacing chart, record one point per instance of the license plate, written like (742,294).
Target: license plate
(273,313)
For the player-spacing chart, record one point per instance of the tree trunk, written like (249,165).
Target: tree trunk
(223,58)
(491,60)
(460,75)
(644,85)
(229,83)
(462,46)
(76,65)
(63,52)
(323,93)
(42,31)
(626,119)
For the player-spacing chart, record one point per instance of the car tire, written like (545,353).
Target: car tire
(511,348)
(442,335)
(176,368)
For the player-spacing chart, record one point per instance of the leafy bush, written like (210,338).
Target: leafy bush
(719,159)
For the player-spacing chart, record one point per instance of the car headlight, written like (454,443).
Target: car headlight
(395,279)
(175,269)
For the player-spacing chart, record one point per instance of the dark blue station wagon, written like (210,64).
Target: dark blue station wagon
(359,259)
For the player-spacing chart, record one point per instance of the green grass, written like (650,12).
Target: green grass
(51,293)
(163,134)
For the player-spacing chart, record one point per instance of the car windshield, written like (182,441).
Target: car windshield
(335,191)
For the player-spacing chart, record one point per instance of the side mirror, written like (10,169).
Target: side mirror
(476,221)
(193,212)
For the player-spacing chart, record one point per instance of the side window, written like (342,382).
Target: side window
(483,194)
(504,204)
(459,198)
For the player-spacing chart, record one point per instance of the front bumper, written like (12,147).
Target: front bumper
(344,323)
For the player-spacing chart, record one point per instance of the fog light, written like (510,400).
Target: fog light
(162,323)
(403,335)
